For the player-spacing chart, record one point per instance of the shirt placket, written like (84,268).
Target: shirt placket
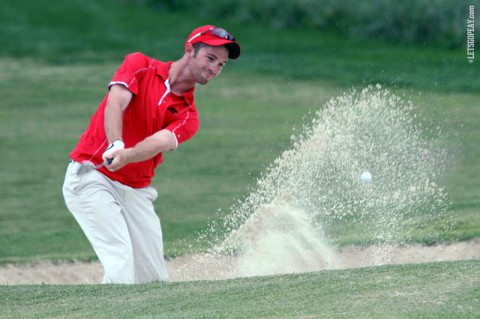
(167,86)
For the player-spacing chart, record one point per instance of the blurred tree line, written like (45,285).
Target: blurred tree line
(432,22)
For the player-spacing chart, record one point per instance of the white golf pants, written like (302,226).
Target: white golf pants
(120,223)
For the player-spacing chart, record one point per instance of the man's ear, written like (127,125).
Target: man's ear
(189,50)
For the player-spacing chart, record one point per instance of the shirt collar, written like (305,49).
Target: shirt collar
(162,71)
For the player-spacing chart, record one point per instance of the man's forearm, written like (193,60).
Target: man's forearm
(113,123)
(151,146)
(144,150)
(118,99)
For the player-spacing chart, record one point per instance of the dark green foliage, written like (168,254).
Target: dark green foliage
(439,22)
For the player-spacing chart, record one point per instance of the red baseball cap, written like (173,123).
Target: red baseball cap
(215,37)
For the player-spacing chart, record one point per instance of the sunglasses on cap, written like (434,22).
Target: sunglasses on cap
(218,32)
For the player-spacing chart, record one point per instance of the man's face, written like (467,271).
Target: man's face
(208,62)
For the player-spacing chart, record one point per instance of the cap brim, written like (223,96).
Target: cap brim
(233,50)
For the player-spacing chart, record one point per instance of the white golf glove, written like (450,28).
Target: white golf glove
(115,145)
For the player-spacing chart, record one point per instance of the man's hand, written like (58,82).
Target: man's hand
(121,157)
(109,153)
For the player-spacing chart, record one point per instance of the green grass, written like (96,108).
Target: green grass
(243,130)
(230,151)
(436,290)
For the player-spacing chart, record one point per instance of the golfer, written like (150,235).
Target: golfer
(149,109)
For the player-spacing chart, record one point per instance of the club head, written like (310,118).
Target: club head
(85,167)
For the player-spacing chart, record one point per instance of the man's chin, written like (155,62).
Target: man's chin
(203,81)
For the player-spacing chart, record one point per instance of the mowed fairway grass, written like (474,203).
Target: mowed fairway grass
(441,290)
(248,116)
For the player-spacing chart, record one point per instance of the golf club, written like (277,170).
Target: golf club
(88,166)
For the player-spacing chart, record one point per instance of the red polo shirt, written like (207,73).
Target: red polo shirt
(152,108)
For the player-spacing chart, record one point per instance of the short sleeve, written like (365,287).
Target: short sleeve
(131,71)
(185,126)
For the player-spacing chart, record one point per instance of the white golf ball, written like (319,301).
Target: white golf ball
(366,177)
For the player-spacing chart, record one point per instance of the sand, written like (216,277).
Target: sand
(70,273)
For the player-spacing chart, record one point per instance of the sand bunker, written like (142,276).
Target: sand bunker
(351,257)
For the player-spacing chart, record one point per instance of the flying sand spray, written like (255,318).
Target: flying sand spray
(315,193)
